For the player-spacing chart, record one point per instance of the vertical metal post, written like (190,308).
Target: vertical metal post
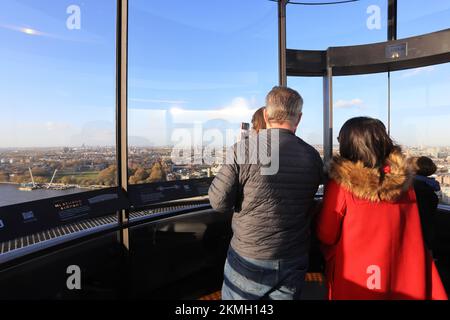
(282,42)
(328,115)
(121,108)
(392,20)
(392,35)
(389,103)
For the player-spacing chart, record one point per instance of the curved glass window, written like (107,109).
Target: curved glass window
(421,117)
(310,128)
(197,69)
(356,96)
(416,17)
(318,27)
(57,96)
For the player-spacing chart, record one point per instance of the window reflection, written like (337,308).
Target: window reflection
(57,133)
(416,17)
(357,96)
(193,78)
(311,125)
(320,27)
(421,117)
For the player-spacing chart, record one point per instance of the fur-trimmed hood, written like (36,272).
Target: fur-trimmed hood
(365,183)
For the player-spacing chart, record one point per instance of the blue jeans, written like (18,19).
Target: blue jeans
(252,279)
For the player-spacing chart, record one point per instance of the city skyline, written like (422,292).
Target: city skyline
(335,145)
(47,171)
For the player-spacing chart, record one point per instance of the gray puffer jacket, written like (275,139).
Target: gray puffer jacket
(272,212)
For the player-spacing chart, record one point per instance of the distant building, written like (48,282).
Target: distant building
(433,152)
(446,180)
(171,177)
(446,195)
(100,167)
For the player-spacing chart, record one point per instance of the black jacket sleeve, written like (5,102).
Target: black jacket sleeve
(223,191)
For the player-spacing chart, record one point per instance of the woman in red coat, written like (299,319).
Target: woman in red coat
(369,224)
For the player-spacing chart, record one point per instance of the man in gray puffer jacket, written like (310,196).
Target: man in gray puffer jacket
(272,203)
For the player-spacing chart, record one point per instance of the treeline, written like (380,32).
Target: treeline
(107,177)
(139,174)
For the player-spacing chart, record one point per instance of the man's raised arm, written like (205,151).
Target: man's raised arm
(224,188)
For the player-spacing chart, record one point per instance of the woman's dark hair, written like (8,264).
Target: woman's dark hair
(258,122)
(425,166)
(365,139)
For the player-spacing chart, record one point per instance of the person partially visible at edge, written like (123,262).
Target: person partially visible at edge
(268,253)
(369,224)
(427,199)
(258,122)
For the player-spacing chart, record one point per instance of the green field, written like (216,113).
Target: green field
(78,176)
(88,174)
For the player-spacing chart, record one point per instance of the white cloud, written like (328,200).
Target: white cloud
(36,134)
(33,32)
(147,127)
(417,71)
(58,127)
(95,133)
(26,30)
(158,101)
(239,110)
(345,104)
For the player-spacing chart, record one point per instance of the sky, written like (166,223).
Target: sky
(206,63)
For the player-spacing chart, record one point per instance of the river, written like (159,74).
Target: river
(9,194)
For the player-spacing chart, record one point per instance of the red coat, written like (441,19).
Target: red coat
(372,237)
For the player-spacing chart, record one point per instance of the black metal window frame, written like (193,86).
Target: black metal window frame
(325,63)
(122,111)
(423,50)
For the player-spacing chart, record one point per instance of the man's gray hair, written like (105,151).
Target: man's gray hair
(283,104)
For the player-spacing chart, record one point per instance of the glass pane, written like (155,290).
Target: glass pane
(310,128)
(193,78)
(311,124)
(416,17)
(319,27)
(356,96)
(421,116)
(57,97)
